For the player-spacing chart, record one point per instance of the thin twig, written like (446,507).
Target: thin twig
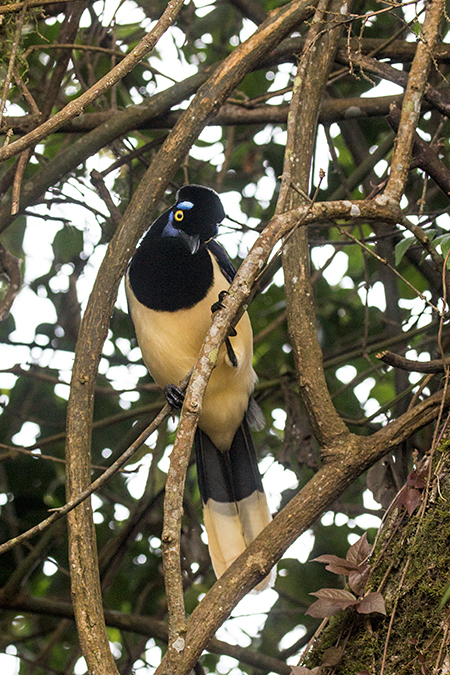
(12,58)
(15,449)
(95,485)
(385,262)
(77,106)
(26,93)
(17,184)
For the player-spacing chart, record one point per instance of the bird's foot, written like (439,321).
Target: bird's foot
(232,331)
(174,396)
(219,304)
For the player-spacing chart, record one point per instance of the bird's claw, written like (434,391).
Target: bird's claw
(219,304)
(231,332)
(174,396)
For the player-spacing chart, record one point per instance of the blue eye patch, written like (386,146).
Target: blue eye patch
(185,206)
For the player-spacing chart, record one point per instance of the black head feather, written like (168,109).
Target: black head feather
(203,217)
(172,268)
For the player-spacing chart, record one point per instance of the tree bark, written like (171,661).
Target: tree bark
(410,567)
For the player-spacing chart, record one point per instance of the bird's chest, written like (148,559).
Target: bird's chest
(170,341)
(165,276)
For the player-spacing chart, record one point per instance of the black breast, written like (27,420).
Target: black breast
(165,276)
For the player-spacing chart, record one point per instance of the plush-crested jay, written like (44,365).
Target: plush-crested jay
(173,282)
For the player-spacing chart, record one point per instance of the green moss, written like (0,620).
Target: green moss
(412,556)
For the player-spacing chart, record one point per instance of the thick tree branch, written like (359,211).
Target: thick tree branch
(309,86)
(93,331)
(332,110)
(417,82)
(141,625)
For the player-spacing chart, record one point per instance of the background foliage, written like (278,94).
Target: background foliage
(60,228)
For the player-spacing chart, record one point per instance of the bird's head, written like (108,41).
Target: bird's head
(195,216)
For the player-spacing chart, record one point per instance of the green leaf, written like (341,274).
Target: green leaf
(401,248)
(67,244)
(444,241)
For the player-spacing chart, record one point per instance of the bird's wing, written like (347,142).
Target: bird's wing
(223,260)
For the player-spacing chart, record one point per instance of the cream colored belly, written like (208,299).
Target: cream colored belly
(170,343)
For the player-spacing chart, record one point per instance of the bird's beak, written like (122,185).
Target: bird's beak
(192,241)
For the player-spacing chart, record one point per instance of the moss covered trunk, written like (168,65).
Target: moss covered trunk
(411,567)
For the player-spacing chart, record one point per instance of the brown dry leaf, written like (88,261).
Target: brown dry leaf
(359,552)
(372,602)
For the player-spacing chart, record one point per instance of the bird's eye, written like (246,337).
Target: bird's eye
(178,215)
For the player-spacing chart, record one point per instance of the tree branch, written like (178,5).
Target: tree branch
(332,110)
(121,123)
(91,488)
(117,73)
(15,7)
(94,327)
(142,625)
(417,82)
(347,460)
(397,361)
(424,155)
(9,268)
(179,656)
(309,86)
(434,96)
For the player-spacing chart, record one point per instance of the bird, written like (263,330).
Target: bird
(176,278)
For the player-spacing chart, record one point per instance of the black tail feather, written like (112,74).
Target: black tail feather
(234,505)
(227,476)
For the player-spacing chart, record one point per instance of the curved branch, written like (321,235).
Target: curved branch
(417,82)
(397,361)
(94,327)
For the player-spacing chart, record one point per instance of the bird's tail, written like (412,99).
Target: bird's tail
(235,509)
